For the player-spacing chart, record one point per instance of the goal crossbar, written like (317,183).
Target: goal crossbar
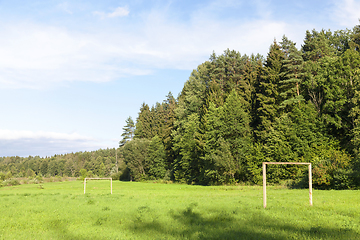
(98,179)
(285,163)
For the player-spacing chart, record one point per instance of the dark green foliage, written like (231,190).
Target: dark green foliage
(228,137)
(145,159)
(135,153)
(189,146)
(268,92)
(158,121)
(156,158)
(2,176)
(292,75)
(144,123)
(331,168)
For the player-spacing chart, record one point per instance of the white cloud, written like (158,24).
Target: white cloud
(39,56)
(15,135)
(118,12)
(25,143)
(346,12)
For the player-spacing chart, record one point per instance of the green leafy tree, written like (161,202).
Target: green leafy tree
(83,173)
(135,153)
(2,176)
(156,158)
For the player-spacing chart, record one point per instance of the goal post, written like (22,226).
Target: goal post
(284,163)
(98,179)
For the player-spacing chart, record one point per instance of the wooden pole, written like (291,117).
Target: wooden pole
(98,179)
(264,184)
(84,185)
(310,185)
(117,168)
(278,163)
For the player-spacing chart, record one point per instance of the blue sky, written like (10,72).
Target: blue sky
(71,72)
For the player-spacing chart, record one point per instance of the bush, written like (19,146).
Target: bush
(2,176)
(39,179)
(332,170)
(11,182)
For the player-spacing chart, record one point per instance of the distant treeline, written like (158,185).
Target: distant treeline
(237,111)
(97,163)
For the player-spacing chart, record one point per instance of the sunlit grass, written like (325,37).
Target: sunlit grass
(172,211)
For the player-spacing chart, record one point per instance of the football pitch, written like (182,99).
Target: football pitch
(61,210)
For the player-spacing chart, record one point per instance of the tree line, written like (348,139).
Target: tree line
(96,163)
(237,111)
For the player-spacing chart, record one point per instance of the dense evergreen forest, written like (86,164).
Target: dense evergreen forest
(235,112)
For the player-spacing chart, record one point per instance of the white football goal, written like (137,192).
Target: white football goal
(278,163)
(98,179)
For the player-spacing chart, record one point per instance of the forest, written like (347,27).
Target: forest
(235,112)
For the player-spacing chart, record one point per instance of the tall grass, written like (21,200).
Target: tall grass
(172,211)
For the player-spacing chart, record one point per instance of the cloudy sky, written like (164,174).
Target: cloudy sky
(71,72)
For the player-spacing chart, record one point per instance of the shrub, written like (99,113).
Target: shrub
(2,176)
(39,179)
(332,169)
(11,182)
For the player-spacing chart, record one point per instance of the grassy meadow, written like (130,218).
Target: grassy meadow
(135,210)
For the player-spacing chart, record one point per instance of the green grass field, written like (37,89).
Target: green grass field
(171,211)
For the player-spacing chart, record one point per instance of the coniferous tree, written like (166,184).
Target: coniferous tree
(227,137)
(292,74)
(268,95)
(135,154)
(170,105)
(144,123)
(128,133)
(156,157)
(355,39)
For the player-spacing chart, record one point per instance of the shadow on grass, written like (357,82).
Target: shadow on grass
(60,231)
(190,224)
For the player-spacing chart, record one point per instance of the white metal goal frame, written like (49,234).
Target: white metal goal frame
(98,179)
(281,163)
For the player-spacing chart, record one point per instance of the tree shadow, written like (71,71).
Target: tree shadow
(244,224)
(60,231)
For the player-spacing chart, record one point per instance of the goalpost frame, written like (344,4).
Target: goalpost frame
(98,179)
(279,163)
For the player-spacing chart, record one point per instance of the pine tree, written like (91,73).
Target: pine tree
(227,137)
(128,133)
(144,123)
(355,39)
(155,159)
(267,92)
(170,105)
(292,75)
(189,146)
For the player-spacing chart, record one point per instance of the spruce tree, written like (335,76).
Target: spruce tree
(268,95)
(227,139)
(292,76)
(144,123)
(128,133)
